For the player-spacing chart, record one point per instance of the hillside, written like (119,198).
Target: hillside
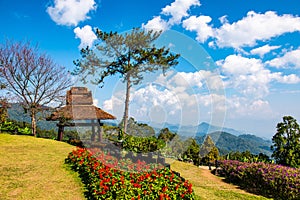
(208,186)
(33,168)
(16,112)
(227,142)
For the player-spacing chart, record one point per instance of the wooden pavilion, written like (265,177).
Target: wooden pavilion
(80,111)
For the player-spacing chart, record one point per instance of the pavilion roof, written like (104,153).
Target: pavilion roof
(79,106)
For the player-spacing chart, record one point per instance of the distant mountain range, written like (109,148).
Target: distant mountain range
(226,139)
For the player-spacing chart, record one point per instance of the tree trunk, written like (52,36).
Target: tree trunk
(128,86)
(33,122)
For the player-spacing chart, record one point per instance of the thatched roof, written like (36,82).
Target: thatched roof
(79,106)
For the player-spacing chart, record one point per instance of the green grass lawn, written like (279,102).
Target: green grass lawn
(208,186)
(33,168)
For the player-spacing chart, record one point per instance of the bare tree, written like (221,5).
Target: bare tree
(34,79)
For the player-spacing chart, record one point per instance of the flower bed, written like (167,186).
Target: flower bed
(272,180)
(108,181)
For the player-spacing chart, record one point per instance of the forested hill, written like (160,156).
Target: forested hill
(227,142)
(16,112)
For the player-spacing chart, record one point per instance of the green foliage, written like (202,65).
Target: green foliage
(226,142)
(206,146)
(16,128)
(130,55)
(211,157)
(166,135)
(286,143)
(142,144)
(208,151)
(104,180)
(192,152)
(3,110)
(137,129)
(247,156)
(174,148)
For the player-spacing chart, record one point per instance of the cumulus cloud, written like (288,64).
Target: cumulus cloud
(70,12)
(243,107)
(288,79)
(289,59)
(174,98)
(200,25)
(255,27)
(261,51)
(157,24)
(250,77)
(179,9)
(86,35)
(247,75)
(176,12)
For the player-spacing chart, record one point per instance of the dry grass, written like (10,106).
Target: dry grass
(208,186)
(33,168)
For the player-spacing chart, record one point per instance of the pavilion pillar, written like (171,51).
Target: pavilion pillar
(60,132)
(100,131)
(93,131)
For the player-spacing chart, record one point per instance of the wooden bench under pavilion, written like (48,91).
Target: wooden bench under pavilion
(79,107)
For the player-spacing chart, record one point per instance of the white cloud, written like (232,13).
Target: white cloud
(199,24)
(175,98)
(288,79)
(157,24)
(255,27)
(261,51)
(70,12)
(238,107)
(177,10)
(249,76)
(86,35)
(290,59)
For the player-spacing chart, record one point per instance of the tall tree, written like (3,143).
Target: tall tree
(286,142)
(31,77)
(129,55)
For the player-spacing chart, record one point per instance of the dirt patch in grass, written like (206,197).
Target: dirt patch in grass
(33,168)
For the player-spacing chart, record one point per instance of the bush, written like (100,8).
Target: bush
(277,181)
(106,182)
(142,144)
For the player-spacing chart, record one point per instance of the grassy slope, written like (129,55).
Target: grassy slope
(33,168)
(208,186)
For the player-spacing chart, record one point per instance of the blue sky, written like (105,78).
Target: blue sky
(239,65)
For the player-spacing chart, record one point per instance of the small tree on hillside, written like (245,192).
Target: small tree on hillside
(166,135)
(192,151)
(286,143)
(128,55)
(138,129)
(31,77)
(208,151)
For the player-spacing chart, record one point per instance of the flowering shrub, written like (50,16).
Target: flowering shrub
(107,181)
(279,182)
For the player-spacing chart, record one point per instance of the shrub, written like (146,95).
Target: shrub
(277,181)
(106,181)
